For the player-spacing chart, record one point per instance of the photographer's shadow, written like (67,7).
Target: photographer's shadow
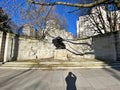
(71,81)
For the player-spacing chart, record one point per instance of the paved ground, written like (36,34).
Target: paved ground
(87,79)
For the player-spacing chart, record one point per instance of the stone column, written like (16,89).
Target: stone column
(2,49)
(6,48)
(78,30)
(1,34)
(1,37)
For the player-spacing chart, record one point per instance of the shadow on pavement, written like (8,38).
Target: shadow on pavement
(14,76)
(71,81)
(113,72)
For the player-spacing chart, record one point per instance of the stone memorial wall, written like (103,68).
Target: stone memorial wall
(21,48)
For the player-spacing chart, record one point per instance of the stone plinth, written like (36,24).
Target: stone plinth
(60,54)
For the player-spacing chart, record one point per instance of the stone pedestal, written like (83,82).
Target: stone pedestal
(60,54)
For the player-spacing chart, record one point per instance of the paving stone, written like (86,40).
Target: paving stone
(55,79)
(115,87)
(95,83)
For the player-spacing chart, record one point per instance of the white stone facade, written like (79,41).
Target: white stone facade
(22,48)
(86,24)
(84,27)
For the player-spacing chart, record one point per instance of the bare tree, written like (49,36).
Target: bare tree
(45,10)
(103,22)
(36,15)
(104,19)
(4,18)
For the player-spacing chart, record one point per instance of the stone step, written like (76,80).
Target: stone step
(56,64)
(53,62)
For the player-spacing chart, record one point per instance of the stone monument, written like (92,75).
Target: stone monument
(58,42)
(60,53)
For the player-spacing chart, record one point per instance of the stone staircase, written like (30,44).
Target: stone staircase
(58,64)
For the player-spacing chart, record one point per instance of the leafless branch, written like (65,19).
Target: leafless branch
(97,2)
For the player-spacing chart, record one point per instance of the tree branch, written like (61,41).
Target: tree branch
(73,10)
(117,3)
(70,4)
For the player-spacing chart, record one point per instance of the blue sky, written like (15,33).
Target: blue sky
(71,17)
(62,10)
